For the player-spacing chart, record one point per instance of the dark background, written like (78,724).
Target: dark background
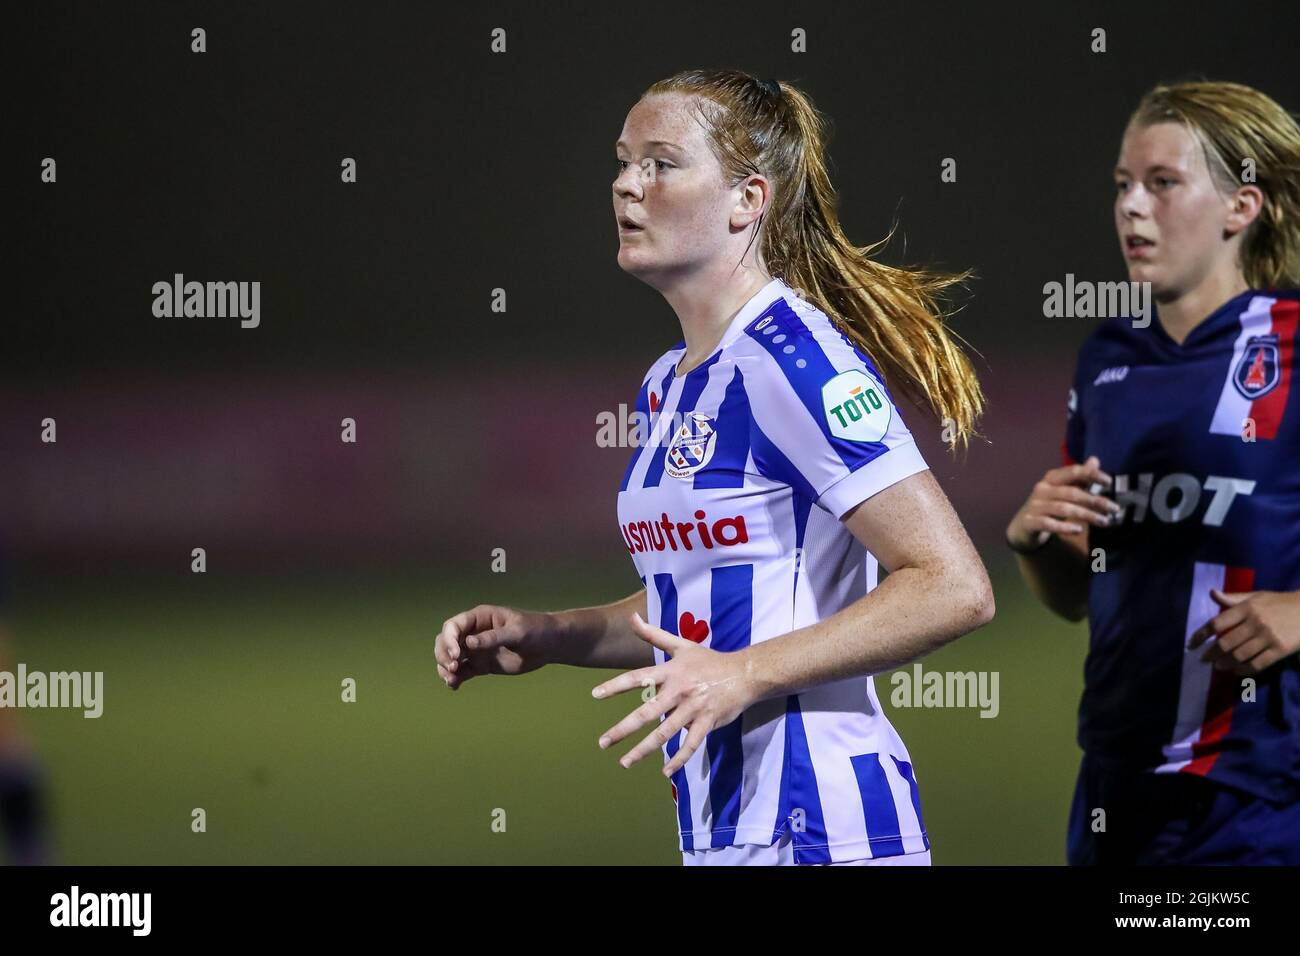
(479,171)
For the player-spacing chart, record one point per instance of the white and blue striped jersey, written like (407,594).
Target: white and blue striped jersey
(731,511)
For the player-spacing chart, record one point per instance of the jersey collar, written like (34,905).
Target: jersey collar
(1224,318)
(752,310)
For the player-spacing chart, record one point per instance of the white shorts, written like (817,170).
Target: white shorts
(781,853)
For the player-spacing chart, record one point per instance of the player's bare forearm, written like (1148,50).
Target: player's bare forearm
(1050,533)
(1058,574)
(937,592)
(914,612)
(602,636)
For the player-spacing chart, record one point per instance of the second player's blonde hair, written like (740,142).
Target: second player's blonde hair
(1237,124)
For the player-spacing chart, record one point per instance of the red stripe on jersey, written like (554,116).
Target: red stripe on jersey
(1224,686)
(1065,454)
(1267,410)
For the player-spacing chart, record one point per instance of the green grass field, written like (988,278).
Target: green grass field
(227,697)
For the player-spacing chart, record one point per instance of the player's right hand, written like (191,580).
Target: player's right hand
(491,639)
(1062,502)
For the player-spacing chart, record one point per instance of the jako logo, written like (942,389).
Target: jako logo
(658,535)
(102,909)
(1176,496)
(1108,375)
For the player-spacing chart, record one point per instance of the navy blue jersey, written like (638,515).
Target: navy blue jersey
(1203,441)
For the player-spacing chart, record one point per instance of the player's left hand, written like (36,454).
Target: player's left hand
(1255,629)
(699,688)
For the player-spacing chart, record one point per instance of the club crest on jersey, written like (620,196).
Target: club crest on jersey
(1259,369)
(691,447)
(856,407)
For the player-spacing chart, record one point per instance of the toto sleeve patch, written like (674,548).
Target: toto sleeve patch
(856,406)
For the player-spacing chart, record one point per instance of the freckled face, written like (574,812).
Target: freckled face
(1169,212)
(671,185)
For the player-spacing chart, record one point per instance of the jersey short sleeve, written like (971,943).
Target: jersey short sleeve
(826,425)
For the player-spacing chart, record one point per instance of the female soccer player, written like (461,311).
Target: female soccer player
(1188,569)
(776,473)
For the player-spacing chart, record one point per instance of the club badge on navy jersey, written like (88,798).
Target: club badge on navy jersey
(856,407)
(1259,369)
(692,446)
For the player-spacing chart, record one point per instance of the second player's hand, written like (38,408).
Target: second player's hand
(1255,629)
(1062,502)
(699,688)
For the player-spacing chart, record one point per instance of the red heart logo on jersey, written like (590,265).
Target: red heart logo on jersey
(692,629)
(654,401)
